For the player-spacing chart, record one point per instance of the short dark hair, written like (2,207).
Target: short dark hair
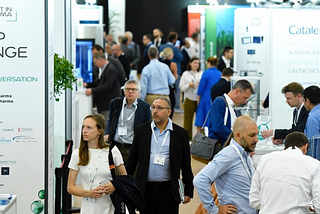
(227,49)
(312,93)
(191,60)
(293,87)
(97,47)
(194,35)
(227,72)
(124,40)
(243,85)
(153,52)
(297,139)
(148,36)
(172,36)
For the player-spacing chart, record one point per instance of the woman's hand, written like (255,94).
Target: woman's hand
(191,85)
(108,188)
(97,192)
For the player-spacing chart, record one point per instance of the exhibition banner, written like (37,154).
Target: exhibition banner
(295,57)
(26,116)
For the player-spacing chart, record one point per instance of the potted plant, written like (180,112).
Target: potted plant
(63,75)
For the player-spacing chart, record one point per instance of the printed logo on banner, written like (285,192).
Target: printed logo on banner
(24,139)
(8,13)
(21,129)
(4,140)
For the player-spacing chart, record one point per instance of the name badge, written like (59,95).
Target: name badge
(159,159)
(122,131)
(93,200)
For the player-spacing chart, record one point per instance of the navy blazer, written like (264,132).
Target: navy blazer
(220,88)
(217,129)
(142,115)
(180,160)
(299,127)
(177,55)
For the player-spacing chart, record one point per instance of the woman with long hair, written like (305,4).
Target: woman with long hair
(189,85)
(210,77)
(91,162)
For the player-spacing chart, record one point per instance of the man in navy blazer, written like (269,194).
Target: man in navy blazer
(160,151)
(223,86)
(127,112)
(222,115)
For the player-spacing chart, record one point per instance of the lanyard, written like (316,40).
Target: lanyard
(122,112)
(95,172)
(164,139)
(243,163)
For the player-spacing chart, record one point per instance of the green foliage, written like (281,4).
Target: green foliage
(63,75)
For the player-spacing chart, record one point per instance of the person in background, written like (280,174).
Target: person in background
(293,94)
(194,49)
(108,50)
(147,41)
(106,87)
(294,182)
(109,38)
(226,60)
(185,45)
(231,170)
(160,153)
(222,116)
(311,97)
(120,55)
(120,70)
(131,49)
(166,56)
(177,58)
(265,103)
(223,86)
(157,35)
(155,78)
(90,162)
(208,79)
(132,112)
(189,85)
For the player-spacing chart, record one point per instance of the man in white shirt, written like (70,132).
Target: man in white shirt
(225,61)
(290,186)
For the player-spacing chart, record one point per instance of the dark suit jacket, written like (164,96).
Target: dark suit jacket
(125,64)
(105,88)
(220,88)
(299,127)
(120,70)
(185,61)
(142,115)
(179,158)
(145,59)
(217,129)
(222,65)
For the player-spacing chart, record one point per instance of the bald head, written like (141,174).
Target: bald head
(116,50)
(245,131)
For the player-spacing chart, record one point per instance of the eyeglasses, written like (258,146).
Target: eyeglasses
(131,89)
(152,108)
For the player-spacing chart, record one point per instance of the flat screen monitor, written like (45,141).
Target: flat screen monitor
(84,65)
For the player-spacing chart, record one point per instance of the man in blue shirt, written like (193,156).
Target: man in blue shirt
(155,78)
(311,97)
(231,170)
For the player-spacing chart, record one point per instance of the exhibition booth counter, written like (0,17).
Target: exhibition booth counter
(10,206)
(263,147)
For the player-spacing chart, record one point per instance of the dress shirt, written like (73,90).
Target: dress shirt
(288,187)
(187,78)
(231,180)
(127,121)
(102,69)
(159,173)
(226,61)
(155,79)
(313,123)
(232,110)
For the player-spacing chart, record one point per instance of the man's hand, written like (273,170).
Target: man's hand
(85,84)
(106,137)
(267,133)
(187,199)
(277,141)
(88,91)
(227,209)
